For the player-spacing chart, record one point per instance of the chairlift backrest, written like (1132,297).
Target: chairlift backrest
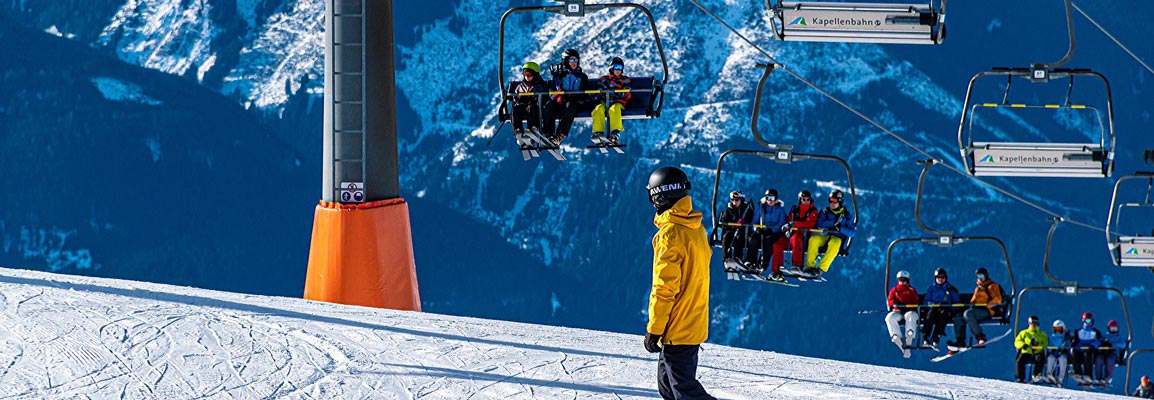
(644,90)
(985,158)
(817,21)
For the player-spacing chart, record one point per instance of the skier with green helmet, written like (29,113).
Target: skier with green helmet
(528,106)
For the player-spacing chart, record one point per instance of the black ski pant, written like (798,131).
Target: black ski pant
(529,111)
(763,241)
(1037,359)
(677,373)
(752,245)
(554,111)
(1083,361)
(733,245)
(936,321)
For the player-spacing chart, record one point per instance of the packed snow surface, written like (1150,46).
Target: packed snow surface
(67,337)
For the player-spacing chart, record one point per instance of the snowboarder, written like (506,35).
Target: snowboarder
(836,223)
(733,237)
(1058,353)
(679,299)
(901,296)
(1110,354)
(527,106)
(614,80)
(1031,344)
(1085,346)
(802,217)
(944,295)
(566,77)
(1145,390)
(989,293)
(772,215)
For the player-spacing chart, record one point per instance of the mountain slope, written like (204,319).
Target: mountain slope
(64,336)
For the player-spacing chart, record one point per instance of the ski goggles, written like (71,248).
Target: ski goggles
(982,276)
(527,72)
(806,200)
(834,201)
(574,60)
(771,198)
(618,67)
(1088,321)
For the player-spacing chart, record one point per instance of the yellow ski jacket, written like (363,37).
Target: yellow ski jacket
(1031,341)
(679,301)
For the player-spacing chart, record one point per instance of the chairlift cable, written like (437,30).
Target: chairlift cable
(871,121)
(1116,41)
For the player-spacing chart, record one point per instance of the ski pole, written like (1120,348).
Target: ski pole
(495,133)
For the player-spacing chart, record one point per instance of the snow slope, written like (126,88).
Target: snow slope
(67,336)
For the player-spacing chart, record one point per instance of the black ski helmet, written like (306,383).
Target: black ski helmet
(771,192)
(837,195)
(736,194)
(569,53)
(804,193)
(616,61)
(666,186)
(939,272)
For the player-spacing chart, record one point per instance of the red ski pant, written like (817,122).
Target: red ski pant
(795,242)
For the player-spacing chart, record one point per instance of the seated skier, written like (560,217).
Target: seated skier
(836,225)
(733,237)
(1057,353)
(1031,344)
(902,294)
(615,80)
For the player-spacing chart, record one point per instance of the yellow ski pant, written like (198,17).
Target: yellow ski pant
(614,117)
(832,246)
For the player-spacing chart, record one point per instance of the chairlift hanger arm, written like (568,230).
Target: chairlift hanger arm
(918,201)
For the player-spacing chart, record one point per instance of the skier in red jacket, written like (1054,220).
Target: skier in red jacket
(902,295)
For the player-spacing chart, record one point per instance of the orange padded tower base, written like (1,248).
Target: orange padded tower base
(362,254)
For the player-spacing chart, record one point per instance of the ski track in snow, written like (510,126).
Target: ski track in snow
(65,336)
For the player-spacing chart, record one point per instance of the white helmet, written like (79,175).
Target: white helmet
(903,274)
(1059,324)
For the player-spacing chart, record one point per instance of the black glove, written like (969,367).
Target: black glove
(652,343)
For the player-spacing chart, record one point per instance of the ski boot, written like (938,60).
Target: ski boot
(559,138)
(776,277)
(981,341)
(613,137)
(596,138)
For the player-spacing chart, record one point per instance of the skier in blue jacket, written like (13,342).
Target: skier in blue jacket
(772,214)
(940,293)
(1058,353)
(566,77)
(1114,345)
(1085,345)
(836,226)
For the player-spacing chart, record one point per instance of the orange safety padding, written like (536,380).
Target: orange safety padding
(363,255)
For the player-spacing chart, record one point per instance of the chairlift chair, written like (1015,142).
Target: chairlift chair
(945,239)
(824,21)
(1129,250)
(1069,288)
(781,154)
(648,92)
(987,158)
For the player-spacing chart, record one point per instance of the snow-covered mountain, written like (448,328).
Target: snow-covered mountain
(67,336)
(567,243)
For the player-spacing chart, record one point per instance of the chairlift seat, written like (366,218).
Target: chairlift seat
(640,104)
(1135,251)
(859,23)
(1039,159)
(1002,319)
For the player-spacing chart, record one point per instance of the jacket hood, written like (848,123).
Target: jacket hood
(681,213)
(986,283)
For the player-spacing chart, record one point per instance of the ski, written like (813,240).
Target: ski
(736,272)
(959,350)
(603,144)
(526,145)
(796,273)
(543,143)
(596,139)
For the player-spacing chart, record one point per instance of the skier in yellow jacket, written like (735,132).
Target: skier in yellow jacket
(679,300)
(1031,344)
